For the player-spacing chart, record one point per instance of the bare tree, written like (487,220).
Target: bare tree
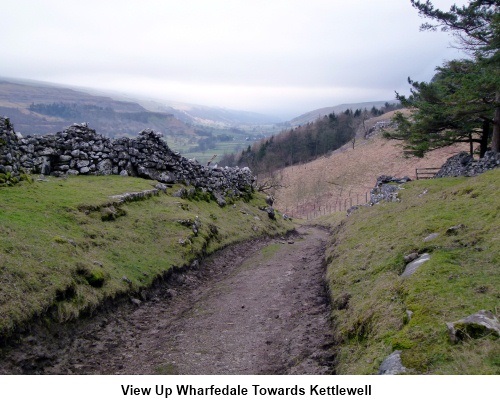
(271,183)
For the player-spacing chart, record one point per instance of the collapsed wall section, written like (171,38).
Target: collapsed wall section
(79,150)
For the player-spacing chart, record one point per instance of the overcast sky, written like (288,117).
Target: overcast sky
(284,57)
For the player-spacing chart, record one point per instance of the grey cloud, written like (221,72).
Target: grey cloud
(313,45)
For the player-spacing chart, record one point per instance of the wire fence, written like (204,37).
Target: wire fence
(312,209)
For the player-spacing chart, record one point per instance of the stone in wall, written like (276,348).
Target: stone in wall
(9,154)
(463,164)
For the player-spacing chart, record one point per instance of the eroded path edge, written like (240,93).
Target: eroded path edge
(259,307)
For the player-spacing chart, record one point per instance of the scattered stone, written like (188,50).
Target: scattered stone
(430,237)
(415,264)
(126,279)
(480,324)
(161,187)
(181,193)
(386,189)
(454,230)
(409,258)
(220,199)
(136,302)
(270,213)
(392,365)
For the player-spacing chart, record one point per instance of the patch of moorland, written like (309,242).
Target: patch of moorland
(65,248)
(370,299)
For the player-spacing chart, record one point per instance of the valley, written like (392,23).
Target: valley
(172,282)
(197,132)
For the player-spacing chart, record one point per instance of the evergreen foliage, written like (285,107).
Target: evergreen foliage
(462,102)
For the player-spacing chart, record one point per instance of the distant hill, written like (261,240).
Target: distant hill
(312,116)
(209,116)
(196,131)
(22,91)
(37,108)
(309,141)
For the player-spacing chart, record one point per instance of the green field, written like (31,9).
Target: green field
(234,140)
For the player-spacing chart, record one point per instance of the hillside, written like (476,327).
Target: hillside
(377,311)
(217,117)
(312,116)
(198,132)
(349,173)
(67,246)
(306,143)
(42,109)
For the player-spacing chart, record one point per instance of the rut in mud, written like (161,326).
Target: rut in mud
(260,307)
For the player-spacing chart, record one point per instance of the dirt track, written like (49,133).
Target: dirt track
(256,308)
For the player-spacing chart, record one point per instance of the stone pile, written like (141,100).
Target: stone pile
(80,150)
(386,189)
(464,165)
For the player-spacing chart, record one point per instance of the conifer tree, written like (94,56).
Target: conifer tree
(462,102)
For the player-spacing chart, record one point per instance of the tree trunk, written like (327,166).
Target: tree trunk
(483,143)
(495,142)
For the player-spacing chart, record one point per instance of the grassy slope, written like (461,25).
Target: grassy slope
(348,172)
(366,259)
(52,251)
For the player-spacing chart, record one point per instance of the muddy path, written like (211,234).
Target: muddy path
(259,307)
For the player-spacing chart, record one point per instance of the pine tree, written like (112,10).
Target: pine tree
(462,102)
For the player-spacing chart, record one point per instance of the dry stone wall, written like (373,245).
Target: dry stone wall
(464,165)
(79,150)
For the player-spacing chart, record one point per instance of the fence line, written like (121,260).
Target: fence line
(312,209)
(426,172)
